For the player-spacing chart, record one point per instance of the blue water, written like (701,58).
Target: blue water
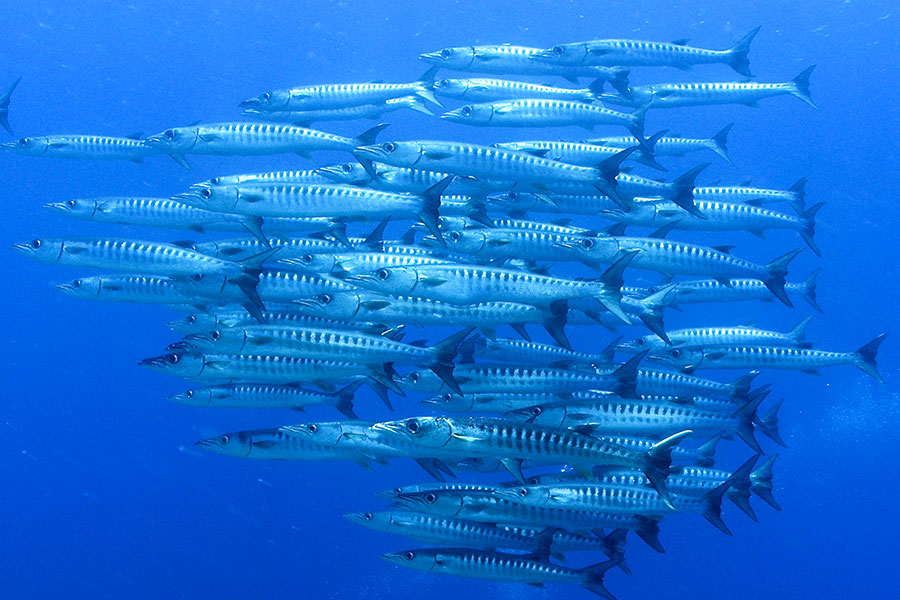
(104,495)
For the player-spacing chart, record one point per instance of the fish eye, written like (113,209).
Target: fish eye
(676,353)
(588,243)
(536,411)
(206,193)
(532,481)
(224,439)
(191,319)
(454,236)
(325,298)
(306,258)
(24,142)
(196,277)
(640,341)
(346,167)
(414,377)
(430,498)
(444,83)
(389,146)
(446,52)
(398,491)
(312,428)
(214,181)
(169,133)
(215,336)
(383,274)
(173,359)
(410,555)
(523,492)
(447,397)
(367,516)
(71,204)
(35,244)
(76,283)
(559,50)
(266,96)
(412,426)
(652,289)
(189,394)
(512,196)
(466,110)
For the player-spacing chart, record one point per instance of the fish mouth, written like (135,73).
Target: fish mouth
(431,402)
(207,443)
(452,115)
(389,426)
(566,245)
(8,145)
(182,346)
(156,362)
(368,152)
(308,303)
(431,57)
(154,140)
(22,247)
(543,55)
(250,102)
(58,206)
(510,494)
(393,494)
(361,278)
(68,287)
(180,399)
(329,170)
(358,518)
(396,558)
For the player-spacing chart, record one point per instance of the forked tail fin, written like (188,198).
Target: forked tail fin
(592,578)
(719,143)
(801,87)
(738,59)
(866,356)
(775,274)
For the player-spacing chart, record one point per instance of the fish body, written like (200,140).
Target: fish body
(527,353)
(573,153)
(201,322)
(795,196)
(89,147)
(402,179)
(675,145)
(304,118)
(272,444)
(492,90)
(259,395)
(300,176)
(706,337)
(273,285)
(142,289)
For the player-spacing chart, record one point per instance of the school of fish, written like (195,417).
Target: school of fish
(564,449)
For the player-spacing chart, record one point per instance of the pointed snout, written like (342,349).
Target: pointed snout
(56,206)
(431,57)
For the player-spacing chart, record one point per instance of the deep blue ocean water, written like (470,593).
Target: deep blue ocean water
(104,494)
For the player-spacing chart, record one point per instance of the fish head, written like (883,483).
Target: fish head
(206,286)
(421,559)
(387,280)
(239,443)
(313,263)
(428,432)
(524,494)
(193,323)
(379,521)
(530,414)
(514,201)
(422,380)
(78,208)
(180,364)
(199,396)
(678,357)
(212,342)
(326,434)
(453,88)
(344,305)
(349,173)
(399,154)
(470,114)
(467,241)
(28,146)
(217,198)
(450,402)
(563,54)
(431,501)
(590,247)
(639,344)
(46,249)
(451,58)
(85,287)
(177,140)
(269,101)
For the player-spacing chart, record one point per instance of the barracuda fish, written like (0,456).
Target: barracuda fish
(200,322)
(650,382)
(807,360)
(331,345)
(582,153)
(675,95)
(521,203)
(389,178)
(258,395)
(142,289)
(334,96)
(485,162)
(718,216)
(4,105)
(695,480)
(495,566)
(681,258)
(492,90)
(676,145)
(507,60)
(627,499)
(740,290)
(487,507)
(513,443)
(537,112)
(313,200)
(648,54)
(342,264)
(90,147)
(706,337)
(795,195)
(273,444)
(619,416)
(499,243)
(302,176)
(305,118)
(703,455)
(252,139)
(442,531)
(525,352)
(466,284)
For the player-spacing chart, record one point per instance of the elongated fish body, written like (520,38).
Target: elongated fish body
(490,243)
(90,147)
(201,322)
(495,566)
(525,352)
(661,382)
(246,139)
(702,455)
(315,343)
(272,444)
(133,256)
(334,96)
(721,336)
(675,146)
(513,60)
(275,285)
(304,200)
(258,395)
(236,368)
(413,181)
(356,262)
(795,196)
(302,176)
(740,290)
(648,54)
(495,403)
(141,289)
(565,204)
(488,378)
(607,498)
(348,113)
(492,90)
(290,247)
(807,360)
(537,112)
(573,153)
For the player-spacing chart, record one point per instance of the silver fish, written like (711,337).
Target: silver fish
(91,147)
(305,118)
(4,105)
(258,395)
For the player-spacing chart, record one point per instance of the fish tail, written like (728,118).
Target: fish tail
(798,333)
(612,280)
(809,290)
(768,424)
(626,376)
(683,190)
(345,399)
(720,143)
(381,390)
(738,59)
(592,578)
(637,128)
(446,351)
(369,136)
(555,324)
(865,357)
(746,415)
(648,156)
(653,308)
(415,103)
(761,482)
(618,80)
(658,462)
(4,106)
(713,498)
(614,548)
(426,81)
(800,88)
(609,170)
(740,387)
(798,190)
(775,274)
(739,494)
(431,205)
(648,530)
(707,450)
